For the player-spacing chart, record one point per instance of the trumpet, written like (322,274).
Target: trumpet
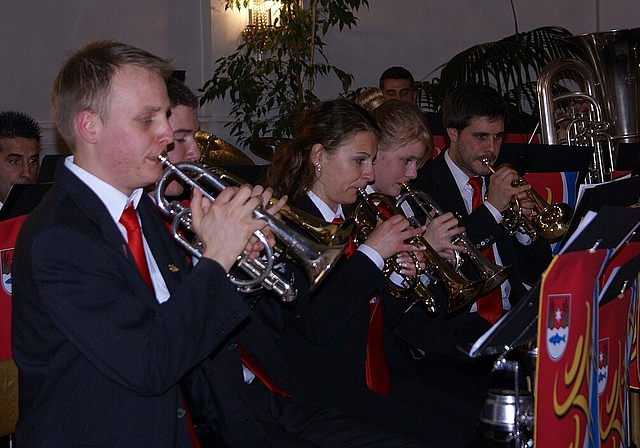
(460,291)
(316,259)
(548,221)
(491,274)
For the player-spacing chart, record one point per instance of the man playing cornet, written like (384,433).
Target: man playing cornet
(474,117)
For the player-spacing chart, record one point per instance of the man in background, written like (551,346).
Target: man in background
(19,151)
(397,82)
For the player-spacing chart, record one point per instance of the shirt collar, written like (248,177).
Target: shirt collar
(327,214)
(113,199)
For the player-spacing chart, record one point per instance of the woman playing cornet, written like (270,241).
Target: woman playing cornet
(329,159)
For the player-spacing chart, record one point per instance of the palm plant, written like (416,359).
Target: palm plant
(510,65)
(270,77)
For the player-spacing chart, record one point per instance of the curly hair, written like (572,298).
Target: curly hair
(329,123)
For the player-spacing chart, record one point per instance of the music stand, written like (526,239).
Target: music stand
(538,158)
(619,192)
(22,199)
(49,167)
(517,327)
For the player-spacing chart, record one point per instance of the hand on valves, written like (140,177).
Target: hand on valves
(226,225)
(389,238)
(504,188)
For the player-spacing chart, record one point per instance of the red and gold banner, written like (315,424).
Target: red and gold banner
(565,343)
(8,234)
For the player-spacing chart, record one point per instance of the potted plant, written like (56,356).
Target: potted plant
(270,77)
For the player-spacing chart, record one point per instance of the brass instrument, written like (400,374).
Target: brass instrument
(491,274)
(323,232)
(548,221)
(608,75)
(215,151)
(316,259)
(460,291)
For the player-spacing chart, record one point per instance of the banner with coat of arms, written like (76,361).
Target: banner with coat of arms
(8,234)
(567,316)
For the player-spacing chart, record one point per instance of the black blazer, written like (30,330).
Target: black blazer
(440,333)
(331,329)
(99,357)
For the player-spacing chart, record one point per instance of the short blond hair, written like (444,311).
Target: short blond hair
(401,123)
(84,82)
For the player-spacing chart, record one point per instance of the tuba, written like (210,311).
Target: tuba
(491,275)
(316,259)
(460,291)
(549,221)
(606,110)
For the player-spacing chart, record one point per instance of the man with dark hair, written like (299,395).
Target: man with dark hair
(397,82)
(460,181)
(19,150)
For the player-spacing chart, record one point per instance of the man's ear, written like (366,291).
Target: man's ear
(87,125)
(453,134)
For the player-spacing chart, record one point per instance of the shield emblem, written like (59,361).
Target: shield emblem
(6,256)
(558,325)
(603,364)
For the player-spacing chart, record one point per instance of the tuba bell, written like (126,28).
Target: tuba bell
(605,110)
(316,259)
(460,291)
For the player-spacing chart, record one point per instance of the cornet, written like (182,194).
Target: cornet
(548,221)
(316,259)
(491,275)
(460,291)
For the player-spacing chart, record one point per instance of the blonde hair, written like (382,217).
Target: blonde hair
(370,98)
(401,123)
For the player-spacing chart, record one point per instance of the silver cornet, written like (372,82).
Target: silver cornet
(490,273)
(316,259)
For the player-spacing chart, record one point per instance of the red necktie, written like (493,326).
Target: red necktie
(376,371)
(253,365)
(129,220)
(351,245)
(490,305)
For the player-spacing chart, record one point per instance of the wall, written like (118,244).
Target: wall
(37,36)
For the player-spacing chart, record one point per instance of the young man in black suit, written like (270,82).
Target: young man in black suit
(100,349)
(474,118)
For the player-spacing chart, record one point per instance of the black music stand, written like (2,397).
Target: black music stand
(609,229)
(517,327)
(49,167)
(538,158)
(22,199)
(620,192)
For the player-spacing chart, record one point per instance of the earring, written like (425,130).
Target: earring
(318,167)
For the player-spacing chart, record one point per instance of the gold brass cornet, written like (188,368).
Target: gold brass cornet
(548,221)
(491,274)
(460,291)
(316,259)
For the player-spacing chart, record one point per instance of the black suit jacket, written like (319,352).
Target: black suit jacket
(99,357)
(328,346)
(441,333)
